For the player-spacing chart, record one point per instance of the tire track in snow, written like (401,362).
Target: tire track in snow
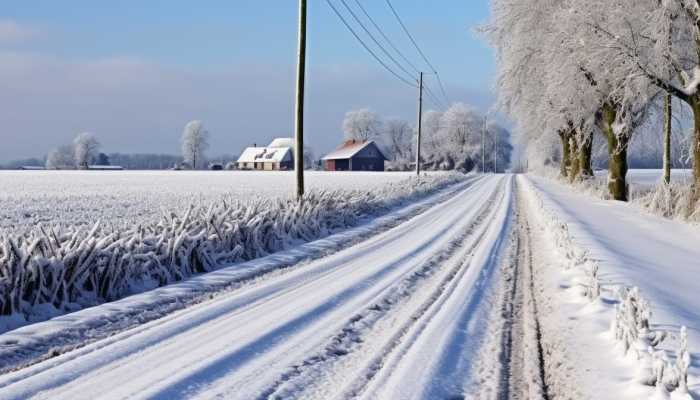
(354,334)
(523,373)
(462,291)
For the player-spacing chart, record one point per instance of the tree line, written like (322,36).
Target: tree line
(84,152)
(572,71)
(453,139)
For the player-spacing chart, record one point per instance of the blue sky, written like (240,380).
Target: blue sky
(134,72)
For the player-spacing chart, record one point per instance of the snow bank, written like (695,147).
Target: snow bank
(54,270)
(630,325)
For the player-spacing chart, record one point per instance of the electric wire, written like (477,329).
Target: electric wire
(410,37)
(389,41)
(382,48)
(369,50)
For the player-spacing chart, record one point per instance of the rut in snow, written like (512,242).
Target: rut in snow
(352,334)
(523,375)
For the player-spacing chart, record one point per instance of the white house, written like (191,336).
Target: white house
(277,156)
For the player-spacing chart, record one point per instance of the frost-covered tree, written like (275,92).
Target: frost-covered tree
(431,130)
(567,70)
(399,136)
(61,158)
(362,124)
(85,147)
(195,141)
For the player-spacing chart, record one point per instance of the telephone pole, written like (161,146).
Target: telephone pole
(495,151)
(483,149)
(299,108)
(420,121)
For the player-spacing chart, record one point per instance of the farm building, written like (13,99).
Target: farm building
(355,155)
(278,156)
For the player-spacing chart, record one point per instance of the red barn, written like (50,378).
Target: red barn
(355,155)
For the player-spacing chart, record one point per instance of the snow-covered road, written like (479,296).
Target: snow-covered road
(395,316)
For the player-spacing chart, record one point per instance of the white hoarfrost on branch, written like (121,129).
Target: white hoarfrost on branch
(195,141)
(362,124)
(85,148)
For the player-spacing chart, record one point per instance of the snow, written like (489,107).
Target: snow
(651,177)
(48,271)
(245,343)
(495,287)
(691,88)
(129,198)
(633,249)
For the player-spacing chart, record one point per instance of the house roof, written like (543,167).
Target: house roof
(265,154)
(349,149)
(282,142)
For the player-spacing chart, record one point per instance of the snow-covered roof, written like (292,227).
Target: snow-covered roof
(348,149)
(265,154)
(282,142)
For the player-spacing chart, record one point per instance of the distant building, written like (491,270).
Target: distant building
(216,166)
(31,168)
(278,156)
(355,155)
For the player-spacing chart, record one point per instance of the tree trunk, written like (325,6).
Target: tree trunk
(696,147)
(617,151)
(574,166)
(667,139)
(585,151)
(565,154)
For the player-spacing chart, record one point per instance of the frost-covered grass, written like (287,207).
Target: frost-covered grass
(128,198)
(54,268)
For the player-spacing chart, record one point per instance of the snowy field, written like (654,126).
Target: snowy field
(136,197)
(650,177)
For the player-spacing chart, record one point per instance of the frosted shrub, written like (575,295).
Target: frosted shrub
(683,362)
(630,325)
(592,287)
(674,200)
(69,268)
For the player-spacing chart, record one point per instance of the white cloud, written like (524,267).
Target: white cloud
(12,32)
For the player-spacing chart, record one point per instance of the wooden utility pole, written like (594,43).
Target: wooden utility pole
(420,121)
(483,148)
(495,148)
(667,139)
(299,108)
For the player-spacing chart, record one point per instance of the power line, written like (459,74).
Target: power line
(347,25)
(359,22)
(405,29)
(434,98)
(381,32)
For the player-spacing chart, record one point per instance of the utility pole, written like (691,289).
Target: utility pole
(495,151)
(420,121)
(483,149)
(299,108)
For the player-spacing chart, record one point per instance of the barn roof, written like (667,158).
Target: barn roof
(262,154)
(349,148)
